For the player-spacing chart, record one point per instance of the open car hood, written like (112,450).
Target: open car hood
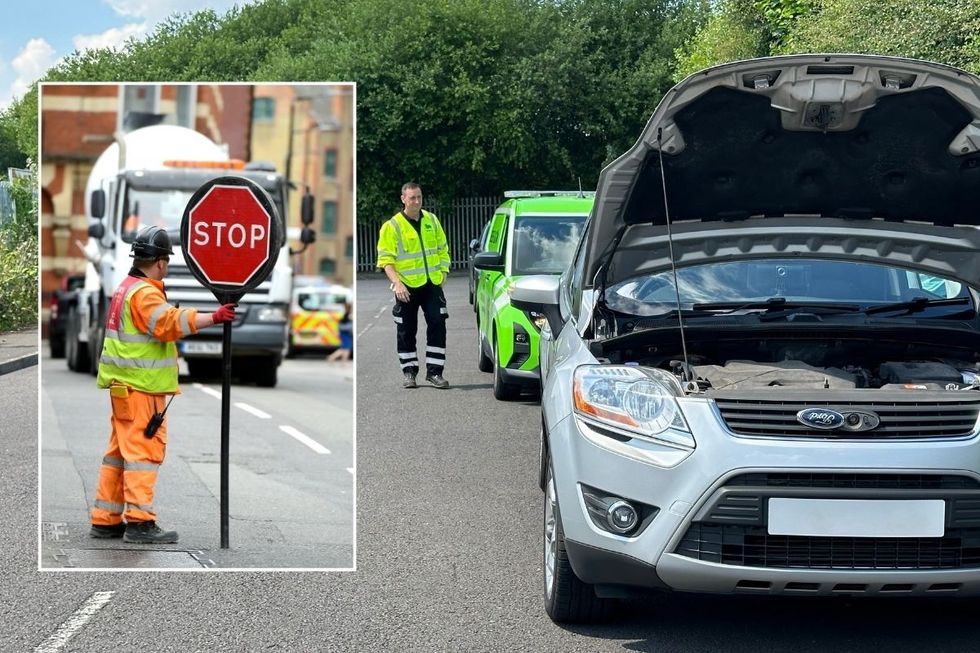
(851,157)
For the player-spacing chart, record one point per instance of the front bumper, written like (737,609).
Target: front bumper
(248,338)
(699,543)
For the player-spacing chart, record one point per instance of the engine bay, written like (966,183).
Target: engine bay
(724,361)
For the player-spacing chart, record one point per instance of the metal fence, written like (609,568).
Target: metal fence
(462,222)
(6,202)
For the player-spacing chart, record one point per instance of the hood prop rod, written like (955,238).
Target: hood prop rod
(687,375)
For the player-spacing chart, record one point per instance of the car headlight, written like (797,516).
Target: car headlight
(271,314)
(640,400)
(537,319)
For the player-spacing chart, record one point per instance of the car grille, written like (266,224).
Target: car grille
(899,420)
(752,546)
(731,528)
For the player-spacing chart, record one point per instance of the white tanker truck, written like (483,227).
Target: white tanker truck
(147,178)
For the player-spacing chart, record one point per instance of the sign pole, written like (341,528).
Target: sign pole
(225,419)
(230,235)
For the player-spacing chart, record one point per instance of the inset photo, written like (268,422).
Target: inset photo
(197,382)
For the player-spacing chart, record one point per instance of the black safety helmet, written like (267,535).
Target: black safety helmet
(152,243)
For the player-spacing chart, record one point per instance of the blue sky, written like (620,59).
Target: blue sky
(38,33)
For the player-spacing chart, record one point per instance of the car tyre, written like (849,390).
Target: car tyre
(566,598)
(501,389)
(483,361)
(57,345)
(76,353)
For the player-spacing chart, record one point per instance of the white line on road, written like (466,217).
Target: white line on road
(371,324)
(253,410)
(74,623)
(311,443)
(350,469)
(208,391)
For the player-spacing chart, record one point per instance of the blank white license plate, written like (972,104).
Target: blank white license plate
(202,347)
(858,517)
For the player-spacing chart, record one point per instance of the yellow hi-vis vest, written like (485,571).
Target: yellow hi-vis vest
(131,357)
(418,253)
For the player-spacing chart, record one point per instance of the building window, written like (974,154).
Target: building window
(330,163)
(263,109)
(329,217)
(327,267)
(349,251)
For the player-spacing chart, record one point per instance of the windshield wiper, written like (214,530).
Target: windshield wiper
(775,304)
(915,305)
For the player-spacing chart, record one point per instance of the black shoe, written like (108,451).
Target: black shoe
(436,381)
(101,532)
(409,381)
(147,532)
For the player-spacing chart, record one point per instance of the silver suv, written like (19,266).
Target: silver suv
(777,390)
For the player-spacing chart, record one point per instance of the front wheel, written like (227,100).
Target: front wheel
(484,364)
(566,598)
(501,389)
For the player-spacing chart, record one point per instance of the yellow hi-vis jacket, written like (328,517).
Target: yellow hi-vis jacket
(141,328)
(416,259)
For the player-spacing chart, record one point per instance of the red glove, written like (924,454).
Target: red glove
(224,314)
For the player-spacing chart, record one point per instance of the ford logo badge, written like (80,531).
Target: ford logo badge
(820,418)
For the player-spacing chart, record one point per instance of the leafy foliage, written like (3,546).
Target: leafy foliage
(18,261)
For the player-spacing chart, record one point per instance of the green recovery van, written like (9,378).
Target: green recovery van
(531,233)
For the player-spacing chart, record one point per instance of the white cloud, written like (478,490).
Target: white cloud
(111,38)
(154,11)
(30,63)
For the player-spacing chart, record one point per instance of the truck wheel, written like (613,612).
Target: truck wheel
(57,345)
(566,598)
(266,372)
(501,389)
(76,353)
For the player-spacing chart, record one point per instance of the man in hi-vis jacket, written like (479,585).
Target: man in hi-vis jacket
(139,367)
(414,255)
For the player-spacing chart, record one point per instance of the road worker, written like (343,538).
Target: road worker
(139,367)
(414,254)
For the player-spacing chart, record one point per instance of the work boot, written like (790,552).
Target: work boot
(102,532)
(147,532)
(436,381)
(409,381)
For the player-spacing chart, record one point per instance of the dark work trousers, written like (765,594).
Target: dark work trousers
(406,314)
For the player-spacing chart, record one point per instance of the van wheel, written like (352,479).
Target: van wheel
(265,371)
(566,598)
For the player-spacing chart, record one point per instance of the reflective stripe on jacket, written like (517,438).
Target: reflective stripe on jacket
(419,253)
(141,328)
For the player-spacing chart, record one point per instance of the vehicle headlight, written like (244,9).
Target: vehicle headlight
(640,400)
(271,314)
(537,319)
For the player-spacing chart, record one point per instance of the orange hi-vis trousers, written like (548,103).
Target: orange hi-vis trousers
(130,465)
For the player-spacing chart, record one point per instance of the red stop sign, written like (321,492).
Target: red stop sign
(229,235)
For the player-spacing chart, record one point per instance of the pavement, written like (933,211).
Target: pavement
(18,349)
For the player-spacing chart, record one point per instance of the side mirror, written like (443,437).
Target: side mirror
(97,229)
(474,246)
(538,293)
(306,210)
(97,203)
(490,261)
(307,236)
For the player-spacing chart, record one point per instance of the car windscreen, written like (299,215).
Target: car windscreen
(862,285)
(545,244)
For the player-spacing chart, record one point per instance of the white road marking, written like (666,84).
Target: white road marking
(208,391)
(253,410)
(311,443)
(371,324)
(350,469)
(74,623)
